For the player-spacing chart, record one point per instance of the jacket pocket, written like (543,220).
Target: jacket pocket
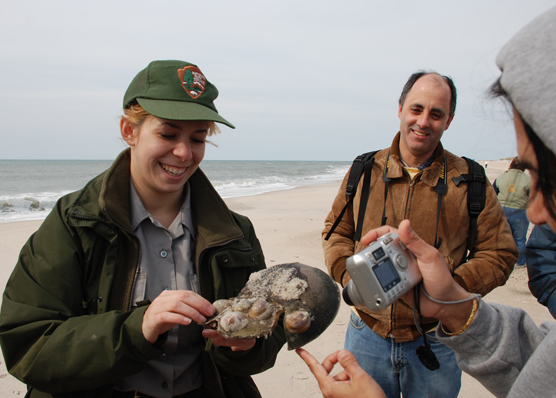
(231,269)
(235,258)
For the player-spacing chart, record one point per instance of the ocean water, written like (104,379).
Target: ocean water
(30,188)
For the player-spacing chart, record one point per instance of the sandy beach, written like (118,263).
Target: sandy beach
(288,224)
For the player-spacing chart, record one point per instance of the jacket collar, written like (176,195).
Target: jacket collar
(114,200)
(429,176)
(215,223)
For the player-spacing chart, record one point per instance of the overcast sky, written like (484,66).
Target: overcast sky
(301,80)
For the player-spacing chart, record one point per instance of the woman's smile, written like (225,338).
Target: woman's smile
(173,170)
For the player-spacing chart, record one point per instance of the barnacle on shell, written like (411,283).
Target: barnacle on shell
(233,321)
(261,309)
(297,321)
(242,305)
(221,305)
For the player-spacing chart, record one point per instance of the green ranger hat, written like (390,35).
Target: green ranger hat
(175,90)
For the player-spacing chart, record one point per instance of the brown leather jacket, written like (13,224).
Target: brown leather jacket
(493,255)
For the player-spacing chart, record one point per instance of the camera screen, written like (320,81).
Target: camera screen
(386,274)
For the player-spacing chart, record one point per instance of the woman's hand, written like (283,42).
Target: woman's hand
(234,344)
(352,382)
(171,308)
(437,280)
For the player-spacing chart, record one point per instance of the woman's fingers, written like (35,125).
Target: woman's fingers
(171,308)
(234,344)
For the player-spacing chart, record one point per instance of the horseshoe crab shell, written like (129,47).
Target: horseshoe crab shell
(308,298)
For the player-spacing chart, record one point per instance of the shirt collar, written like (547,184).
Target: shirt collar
(140,214)
(423,165)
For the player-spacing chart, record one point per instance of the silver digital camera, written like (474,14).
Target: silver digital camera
(380,274)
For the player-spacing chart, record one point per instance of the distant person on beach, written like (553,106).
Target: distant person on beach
(486,164)
(414,179)
(498,345)
(513,193)
(106,297)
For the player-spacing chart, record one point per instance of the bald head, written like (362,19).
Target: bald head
(417,75)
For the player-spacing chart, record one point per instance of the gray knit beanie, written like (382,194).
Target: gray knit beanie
(528,64)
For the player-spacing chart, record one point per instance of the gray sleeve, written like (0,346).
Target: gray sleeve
(507,352)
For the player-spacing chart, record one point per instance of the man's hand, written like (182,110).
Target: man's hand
(352,382)
(234,344)
(171,308)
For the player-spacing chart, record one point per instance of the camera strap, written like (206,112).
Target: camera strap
(424,352)
(441,188)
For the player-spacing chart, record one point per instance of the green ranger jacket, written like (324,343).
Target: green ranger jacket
(66,324)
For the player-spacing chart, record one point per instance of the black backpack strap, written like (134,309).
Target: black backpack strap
(364,199)
(476,196)
(360,164)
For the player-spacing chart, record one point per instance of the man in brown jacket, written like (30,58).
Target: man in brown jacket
(385,342)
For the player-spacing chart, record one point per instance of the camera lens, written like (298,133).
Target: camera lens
(345,296)
(352,296)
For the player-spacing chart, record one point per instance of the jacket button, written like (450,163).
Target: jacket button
(252,258)
(163,254)
(164,385)
(99,299)
(164,356)
(225,259)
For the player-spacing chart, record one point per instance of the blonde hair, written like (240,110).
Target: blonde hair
(136,115)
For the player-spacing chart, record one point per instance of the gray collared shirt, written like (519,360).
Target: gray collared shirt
(167,263)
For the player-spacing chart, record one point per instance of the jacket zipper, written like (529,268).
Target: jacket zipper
(107,223)
(111,225)
(135,276)
(211,277)
(139,257)
(394,306)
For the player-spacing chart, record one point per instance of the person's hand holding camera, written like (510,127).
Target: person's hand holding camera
(437,280)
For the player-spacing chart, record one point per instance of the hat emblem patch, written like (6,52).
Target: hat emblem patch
(193,81)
